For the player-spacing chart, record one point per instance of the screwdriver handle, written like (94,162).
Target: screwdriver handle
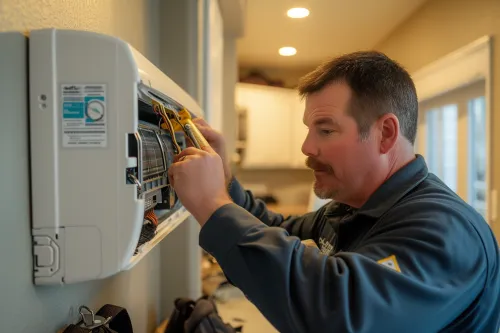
(195,135)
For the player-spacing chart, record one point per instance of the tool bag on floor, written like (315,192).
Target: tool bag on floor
(199,316)
(109,319)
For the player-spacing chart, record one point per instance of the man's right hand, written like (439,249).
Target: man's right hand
(217,142)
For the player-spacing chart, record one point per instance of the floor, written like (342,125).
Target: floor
(239,311)
(232,305)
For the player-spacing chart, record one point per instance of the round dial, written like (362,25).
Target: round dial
(95,110)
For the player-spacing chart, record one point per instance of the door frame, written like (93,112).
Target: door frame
(462,67)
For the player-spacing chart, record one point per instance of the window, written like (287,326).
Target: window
(452,138)
(477,154)
(442,143)
(460,78)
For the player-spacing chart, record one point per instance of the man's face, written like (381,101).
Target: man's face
(341,160)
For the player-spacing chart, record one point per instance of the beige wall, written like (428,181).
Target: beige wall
(132,20)
(440,27)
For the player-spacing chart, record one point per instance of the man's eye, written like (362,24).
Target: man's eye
(325,131)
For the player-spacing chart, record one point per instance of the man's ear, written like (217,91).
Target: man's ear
(389,129)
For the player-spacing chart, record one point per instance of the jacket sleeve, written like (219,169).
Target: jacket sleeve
(437,270)
(300,226)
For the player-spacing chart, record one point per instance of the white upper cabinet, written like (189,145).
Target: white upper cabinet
(274,127)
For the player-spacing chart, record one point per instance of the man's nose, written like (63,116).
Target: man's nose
(309,147)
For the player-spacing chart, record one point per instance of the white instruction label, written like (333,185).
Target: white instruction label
(84,115)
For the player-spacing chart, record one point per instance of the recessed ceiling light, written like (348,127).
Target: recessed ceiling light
(287,51)
(298,12)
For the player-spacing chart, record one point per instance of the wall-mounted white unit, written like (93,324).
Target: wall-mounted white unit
(99,156)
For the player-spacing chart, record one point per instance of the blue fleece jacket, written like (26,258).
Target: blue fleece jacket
(414,258)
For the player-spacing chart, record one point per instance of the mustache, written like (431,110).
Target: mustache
(314,164)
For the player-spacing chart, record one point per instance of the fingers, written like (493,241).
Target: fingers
(208,132)
(189,151)
(200,122)
(177,166)
(205,130)
(209,149)
(171,178)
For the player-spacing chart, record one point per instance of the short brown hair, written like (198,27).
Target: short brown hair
(379,86)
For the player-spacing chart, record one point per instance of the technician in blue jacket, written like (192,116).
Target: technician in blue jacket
(398,250)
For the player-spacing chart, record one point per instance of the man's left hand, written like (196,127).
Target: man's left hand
(197,176)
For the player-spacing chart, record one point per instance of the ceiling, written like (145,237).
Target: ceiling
(332,27)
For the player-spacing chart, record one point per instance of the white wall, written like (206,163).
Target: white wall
(213,63)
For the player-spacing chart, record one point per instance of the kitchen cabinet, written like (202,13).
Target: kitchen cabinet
(274,128)
(268,112)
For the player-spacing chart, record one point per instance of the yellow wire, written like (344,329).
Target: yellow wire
(158,107)
(171,129)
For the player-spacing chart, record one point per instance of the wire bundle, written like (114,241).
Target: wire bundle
(151,216)
(148,230)
(160,110)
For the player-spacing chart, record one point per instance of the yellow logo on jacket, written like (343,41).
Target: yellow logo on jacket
(390,262)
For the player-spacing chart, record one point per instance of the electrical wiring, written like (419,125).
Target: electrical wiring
(151,216)
(159,109)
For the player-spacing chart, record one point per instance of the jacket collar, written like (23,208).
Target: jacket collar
(391,191)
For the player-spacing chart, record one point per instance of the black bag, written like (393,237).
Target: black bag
(109,319)
(199,316)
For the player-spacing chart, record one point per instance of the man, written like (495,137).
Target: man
(399,251)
